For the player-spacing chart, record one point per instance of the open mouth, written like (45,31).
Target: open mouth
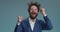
(33,14)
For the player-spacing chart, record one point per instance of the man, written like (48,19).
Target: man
(32,24)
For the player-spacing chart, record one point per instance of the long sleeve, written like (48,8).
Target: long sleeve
(47,25)
(18,28)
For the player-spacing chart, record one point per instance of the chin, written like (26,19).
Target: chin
(33,17)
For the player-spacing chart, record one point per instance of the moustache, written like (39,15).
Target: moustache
(33,13)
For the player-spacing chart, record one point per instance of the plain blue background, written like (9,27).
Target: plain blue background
(11,9)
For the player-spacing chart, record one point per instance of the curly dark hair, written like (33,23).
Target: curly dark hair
(33,3)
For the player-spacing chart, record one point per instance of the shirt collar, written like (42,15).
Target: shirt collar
(31,20)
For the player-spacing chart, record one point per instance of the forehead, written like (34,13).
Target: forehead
(33,6)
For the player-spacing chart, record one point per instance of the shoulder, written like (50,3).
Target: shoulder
(25,20)
(40,21)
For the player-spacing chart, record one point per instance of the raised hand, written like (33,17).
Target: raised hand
(42,11)
(19,19)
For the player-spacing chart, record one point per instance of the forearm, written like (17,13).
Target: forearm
(48,23)
(18,27)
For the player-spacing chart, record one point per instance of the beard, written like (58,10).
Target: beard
(33,17)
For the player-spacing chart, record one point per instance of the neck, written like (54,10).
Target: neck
(32,19)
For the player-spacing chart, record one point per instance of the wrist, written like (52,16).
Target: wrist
(44,14)
(18,23)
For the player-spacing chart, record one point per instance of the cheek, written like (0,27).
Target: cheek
(30,10)
(36,10)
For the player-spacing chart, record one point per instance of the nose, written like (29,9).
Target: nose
(33,10)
